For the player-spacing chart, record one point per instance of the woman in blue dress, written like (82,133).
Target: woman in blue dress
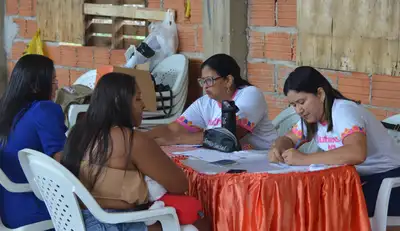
(28,119)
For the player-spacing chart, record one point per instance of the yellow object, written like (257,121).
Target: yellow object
(35,46)
(188,9)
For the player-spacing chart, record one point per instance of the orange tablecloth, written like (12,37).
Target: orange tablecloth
(327,200)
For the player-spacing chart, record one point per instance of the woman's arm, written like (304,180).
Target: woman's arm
(179,135)
(353,152)
(153,162)
(285,142)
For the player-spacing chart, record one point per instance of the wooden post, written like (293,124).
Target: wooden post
(3,60)
(117,29)
(224,29)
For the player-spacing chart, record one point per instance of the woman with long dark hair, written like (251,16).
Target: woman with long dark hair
(111,158)
(221,80)
(346,131)
(28,119)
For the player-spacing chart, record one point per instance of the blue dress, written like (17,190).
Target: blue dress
(41,128)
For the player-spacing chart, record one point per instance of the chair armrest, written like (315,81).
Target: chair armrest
(43,225)
(382,202)
(137,216)
(13,187)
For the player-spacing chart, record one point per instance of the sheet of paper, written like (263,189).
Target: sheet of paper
(208,155)
(213,155)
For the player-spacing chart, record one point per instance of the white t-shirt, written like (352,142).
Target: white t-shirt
(205,113)
(348,117)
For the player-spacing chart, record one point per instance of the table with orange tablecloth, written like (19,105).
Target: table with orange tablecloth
(325,200)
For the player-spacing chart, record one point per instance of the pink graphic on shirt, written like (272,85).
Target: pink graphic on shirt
(326,139)
(243,122)
(352,130)
(214,122)
(331,146)
(187,124)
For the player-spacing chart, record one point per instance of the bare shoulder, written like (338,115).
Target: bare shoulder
(141,137)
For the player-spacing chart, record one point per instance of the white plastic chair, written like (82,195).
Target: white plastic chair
(172,71)
(60,190)
(284,121)
(21,188)
(87,79)
(381,220)
(146,123)
(74,111)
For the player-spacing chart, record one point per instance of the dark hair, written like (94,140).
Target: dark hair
(31,80)
(225,65)
(110,106)
(308,79)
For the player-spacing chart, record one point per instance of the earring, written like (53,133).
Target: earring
(228,90)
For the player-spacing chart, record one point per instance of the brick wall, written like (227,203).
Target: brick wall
(272,55)
(72,61)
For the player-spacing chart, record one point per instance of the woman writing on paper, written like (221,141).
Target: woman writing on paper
(346,132)
(221,80)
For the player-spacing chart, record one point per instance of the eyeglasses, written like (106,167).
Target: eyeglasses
(207,81)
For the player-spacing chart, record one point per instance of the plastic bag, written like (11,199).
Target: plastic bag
(35,46)
(158,45)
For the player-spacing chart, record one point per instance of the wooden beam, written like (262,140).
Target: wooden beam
(117,29)
(3,60)
(224,29)
(123,11)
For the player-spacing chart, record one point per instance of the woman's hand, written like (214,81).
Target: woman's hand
(294,157)
(274,155)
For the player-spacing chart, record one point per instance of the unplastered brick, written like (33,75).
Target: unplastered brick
(187,35)
(287,13)
(27,8)
(68,56)
(279,46)
(12,7)
(262,12)
(256,44)
(261,75)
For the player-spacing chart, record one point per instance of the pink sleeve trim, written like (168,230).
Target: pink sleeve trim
(354,129)
(187,124)
(245,123)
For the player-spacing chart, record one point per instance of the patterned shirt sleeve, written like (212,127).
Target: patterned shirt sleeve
(348,119)
(252,108)
(192,118)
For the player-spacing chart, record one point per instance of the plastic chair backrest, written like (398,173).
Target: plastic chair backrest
(395,119)
(21,188)
(87,79)
(283,124)
(58,187)
(172,71)
(285,120)
(74,111)
(60,190)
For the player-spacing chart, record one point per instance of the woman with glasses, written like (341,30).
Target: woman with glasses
(28,119)
(221,80)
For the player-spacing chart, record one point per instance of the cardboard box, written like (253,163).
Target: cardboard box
(143,79)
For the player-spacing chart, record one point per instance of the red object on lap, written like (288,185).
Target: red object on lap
(188,208)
